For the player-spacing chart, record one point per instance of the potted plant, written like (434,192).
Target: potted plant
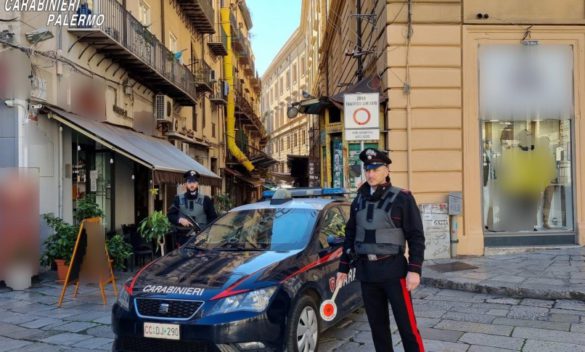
(19,271)
(119,250)
(155,227)
(223,203)
(87,208)
(59,246)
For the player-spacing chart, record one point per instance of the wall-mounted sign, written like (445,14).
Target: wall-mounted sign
(362,116)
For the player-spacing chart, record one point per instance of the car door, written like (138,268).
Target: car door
(331,236)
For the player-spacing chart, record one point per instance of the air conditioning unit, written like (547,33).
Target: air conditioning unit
(163,108)
(212,75)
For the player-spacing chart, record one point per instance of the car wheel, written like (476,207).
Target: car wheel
(303,326)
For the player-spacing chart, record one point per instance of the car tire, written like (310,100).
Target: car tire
(302,331)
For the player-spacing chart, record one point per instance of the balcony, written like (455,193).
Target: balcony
(218,43)
(124,40)
(204,77)
(247,113)
(200,13)
(245,14)
(250,68)
(244,56)
(219,94)
(237,40)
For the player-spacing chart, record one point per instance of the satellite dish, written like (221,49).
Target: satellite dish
(292,112)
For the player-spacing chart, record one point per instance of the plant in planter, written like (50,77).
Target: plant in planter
(119,250)
(59,246)
(155,227)
(87,208)
(223,203)
(19,271)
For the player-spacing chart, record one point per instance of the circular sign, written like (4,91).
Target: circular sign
(361,119)
(328,310)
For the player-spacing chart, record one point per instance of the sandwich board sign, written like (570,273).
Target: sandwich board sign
(361,116)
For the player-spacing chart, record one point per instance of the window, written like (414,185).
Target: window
(203,117)
(295,139)
(288,142)
(174,44)
(213,129)
(281,145)
(194,117)
(260,229)
(526,118)
(332,230)
(287,79)
(304,137)
(144,13)
(281,88)
(294,73)
(303,66)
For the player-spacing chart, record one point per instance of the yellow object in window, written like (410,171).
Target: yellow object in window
(527,171)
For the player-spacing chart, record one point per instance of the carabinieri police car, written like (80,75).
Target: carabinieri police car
(251,281)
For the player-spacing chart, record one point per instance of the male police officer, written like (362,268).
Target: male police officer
(191,205)
(383,218)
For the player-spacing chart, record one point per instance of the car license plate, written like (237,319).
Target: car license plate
(162,331)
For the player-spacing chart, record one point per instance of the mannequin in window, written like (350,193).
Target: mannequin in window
(527,169)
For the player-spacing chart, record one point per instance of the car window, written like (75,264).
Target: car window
(345,209)
(332,228)
(260,229)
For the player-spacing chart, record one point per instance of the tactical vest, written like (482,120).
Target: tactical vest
(374,218)
(194,208)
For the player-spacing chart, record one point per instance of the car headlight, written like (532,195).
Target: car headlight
(124,297)
(254,301)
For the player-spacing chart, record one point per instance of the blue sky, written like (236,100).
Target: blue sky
(274,22)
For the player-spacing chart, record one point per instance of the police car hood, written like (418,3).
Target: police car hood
(202,273)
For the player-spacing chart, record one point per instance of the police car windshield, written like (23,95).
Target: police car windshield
(270,229)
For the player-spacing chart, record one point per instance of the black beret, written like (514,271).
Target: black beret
(374,158)
(191,176)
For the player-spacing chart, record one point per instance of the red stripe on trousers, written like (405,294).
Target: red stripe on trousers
(411,318)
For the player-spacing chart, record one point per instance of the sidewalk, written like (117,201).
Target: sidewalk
(543,274)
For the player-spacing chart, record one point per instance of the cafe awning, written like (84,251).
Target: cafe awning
(167,162)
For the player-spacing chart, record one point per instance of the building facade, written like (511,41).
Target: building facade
(246,137)
(288,80)
(480,100)
(118,109)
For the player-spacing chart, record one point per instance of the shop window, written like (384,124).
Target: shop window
(526,112)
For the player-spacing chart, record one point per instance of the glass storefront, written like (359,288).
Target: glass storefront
(526,113)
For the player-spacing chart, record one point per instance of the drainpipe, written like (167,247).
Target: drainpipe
(231,104)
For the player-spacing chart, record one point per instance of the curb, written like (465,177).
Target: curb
(515,292)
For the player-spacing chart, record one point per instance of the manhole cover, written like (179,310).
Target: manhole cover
(454,266)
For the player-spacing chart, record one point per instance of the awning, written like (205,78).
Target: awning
(167,162)
(372,84)
(313,106)
(251,181)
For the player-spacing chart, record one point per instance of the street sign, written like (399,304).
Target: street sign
(362,116)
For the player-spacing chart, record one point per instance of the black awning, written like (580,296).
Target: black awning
(371,84)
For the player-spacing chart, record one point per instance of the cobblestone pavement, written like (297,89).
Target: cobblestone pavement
(543,274)
(449,321)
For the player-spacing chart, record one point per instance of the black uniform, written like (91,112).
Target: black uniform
(191,206)
(383,279)
(174,213)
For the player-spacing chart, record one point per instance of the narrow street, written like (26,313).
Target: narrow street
(448,320)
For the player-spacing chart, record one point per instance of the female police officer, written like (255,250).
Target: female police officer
(383,218)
